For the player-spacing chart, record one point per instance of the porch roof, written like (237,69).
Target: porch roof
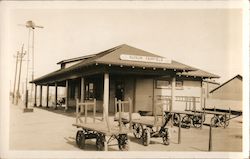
(112,57)
(198,73)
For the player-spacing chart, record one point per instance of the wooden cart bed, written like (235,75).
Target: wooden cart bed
(102,128)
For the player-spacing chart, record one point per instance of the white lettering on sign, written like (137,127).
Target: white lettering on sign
(144,58)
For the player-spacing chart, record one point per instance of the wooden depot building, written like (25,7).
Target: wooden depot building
(126,72)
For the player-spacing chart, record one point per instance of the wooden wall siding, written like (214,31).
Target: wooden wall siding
(230,91)
(144,94)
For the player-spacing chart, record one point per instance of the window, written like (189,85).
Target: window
(163,84)
(179,84)
(89,91)
(167,84)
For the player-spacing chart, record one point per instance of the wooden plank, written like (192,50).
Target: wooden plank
(182,112)
(146,122)
(102,128)
(211,112)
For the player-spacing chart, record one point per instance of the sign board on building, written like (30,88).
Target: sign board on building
(144,58)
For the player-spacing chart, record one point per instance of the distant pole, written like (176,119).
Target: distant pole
(14,89)
(20,69)
(32,74)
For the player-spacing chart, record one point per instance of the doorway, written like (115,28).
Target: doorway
(119,90)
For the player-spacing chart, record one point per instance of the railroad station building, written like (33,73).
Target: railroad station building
(227,95)
(126,72)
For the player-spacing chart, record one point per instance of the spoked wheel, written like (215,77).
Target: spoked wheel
(100,138)
(137,130)
(186,122)
(123,142)
(224,121)
(146,137)
(197,120)
(165,137)
(215,121)
(176,119)
(80,139)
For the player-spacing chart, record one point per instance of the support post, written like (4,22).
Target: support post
(77,110)
(106,99)
(86,113)
(41,95)
(26,98)
(172,93)
(115,105)
(201,101)
(47,99)
(106,95)
(120,118)
(130,113)
(94,113)
(35,104)
(66,94)
(82,89)
(55,95)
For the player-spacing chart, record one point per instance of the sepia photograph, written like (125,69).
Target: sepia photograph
(124,79)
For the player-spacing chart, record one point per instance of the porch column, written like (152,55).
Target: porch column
(47,104)
(41,95)
(35,104)
(106,95)
(172,94)
(82,89)
(67,94)
(55,94)
(201,101)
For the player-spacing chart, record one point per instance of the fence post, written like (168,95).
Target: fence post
(179,132)
(210,138)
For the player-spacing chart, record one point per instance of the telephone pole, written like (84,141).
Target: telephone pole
(14,89)
(20,55)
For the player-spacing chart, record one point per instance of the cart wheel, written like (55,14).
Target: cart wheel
(137,130)
(224,121)
(176,119)
(186,122)
(215,121)
(100,138)
(197,121)
(80,139)
(123,142)
(165,137)
(146,137)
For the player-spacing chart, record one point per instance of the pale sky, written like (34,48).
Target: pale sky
(209,39)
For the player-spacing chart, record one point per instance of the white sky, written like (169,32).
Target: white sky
(209,39)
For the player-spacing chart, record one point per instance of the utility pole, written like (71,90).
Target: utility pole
(14,89)
(21,55)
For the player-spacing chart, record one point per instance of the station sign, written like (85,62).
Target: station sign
(151,59)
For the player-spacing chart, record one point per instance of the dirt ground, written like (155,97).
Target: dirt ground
(46,129)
